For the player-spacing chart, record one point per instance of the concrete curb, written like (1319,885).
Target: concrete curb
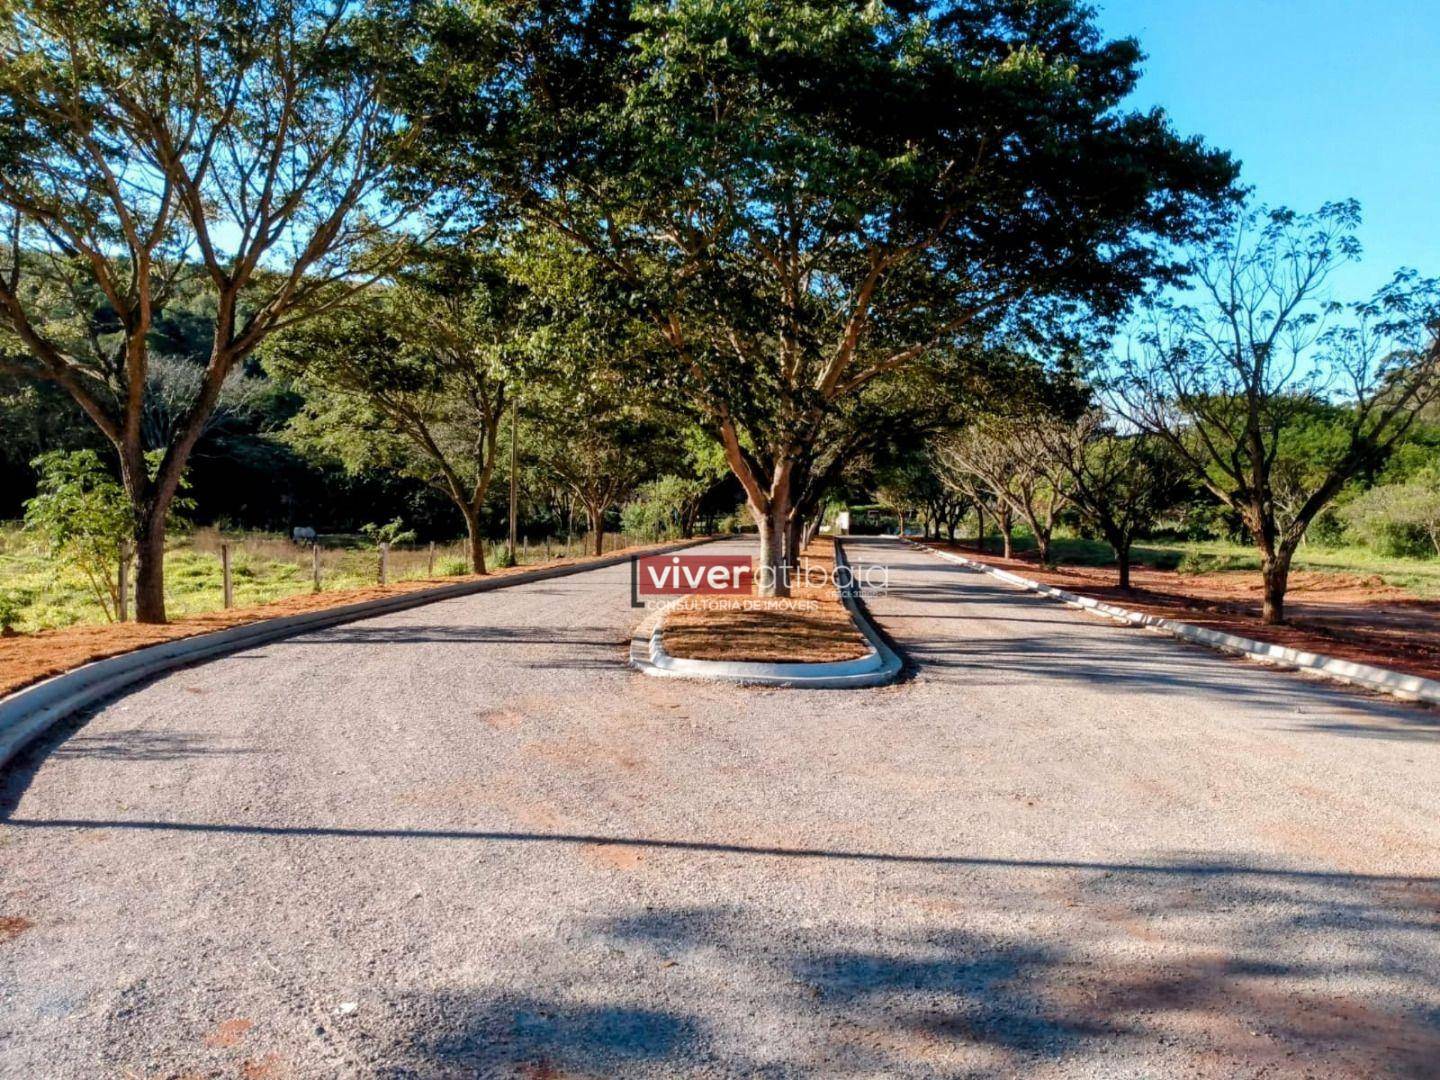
(29,713)
(1383,680)
(877,667)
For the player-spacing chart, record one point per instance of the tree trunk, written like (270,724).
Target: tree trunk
(767,569)
(1042,546)
(1122,557)
(150,568)
(1275,569)
(1005,531)
(597,529)
(811,529)
(901,528)
(773,573)
(777,541)
(980,528)
(474,540)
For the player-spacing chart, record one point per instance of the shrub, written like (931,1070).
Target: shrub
(452,568)
(1399,519)
(84,514)
(13,603)
(663,508)
(392,533)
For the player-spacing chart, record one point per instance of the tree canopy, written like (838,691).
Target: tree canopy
(800,199)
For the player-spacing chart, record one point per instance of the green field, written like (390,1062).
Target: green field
(265,567)
(1420,576)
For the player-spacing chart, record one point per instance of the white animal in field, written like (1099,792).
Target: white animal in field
(303,534)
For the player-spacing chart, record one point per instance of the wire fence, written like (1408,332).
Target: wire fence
(267,567)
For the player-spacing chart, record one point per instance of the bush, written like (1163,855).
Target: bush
(13,603)
(664,508)
(735,522)
(1399,519)
(392,533)
(452,568)
(84,514)
(1327,530)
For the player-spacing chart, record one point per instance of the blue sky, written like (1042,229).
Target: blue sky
(1318,99)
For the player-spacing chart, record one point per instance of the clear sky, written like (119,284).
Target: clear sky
(1318,99)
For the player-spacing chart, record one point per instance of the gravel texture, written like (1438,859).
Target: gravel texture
(467,840)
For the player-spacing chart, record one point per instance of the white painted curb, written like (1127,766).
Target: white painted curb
(28,713)
(877,667)
(1395,683)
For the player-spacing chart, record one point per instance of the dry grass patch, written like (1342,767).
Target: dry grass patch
(812,626)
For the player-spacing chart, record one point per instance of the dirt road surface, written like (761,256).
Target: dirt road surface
(467,840)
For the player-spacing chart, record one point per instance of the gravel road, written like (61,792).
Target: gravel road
(466,840)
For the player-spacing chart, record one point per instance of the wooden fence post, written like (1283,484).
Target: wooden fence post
(225,576)
(384,561)
(315,563)
(430,568)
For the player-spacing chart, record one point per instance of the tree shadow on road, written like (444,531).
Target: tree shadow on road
(1164,669)
(967,965)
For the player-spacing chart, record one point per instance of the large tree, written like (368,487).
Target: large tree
(802,198)
(144,144)
(1234,372)
(416,378)
(599,444)
(997,455)
(1119,482)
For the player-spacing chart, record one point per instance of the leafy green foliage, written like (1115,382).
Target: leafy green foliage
(13,603)
(1399,519)
(85,516)
(392,532)
(664,508)
(802,203)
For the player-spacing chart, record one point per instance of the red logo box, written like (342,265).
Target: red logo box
(656,576)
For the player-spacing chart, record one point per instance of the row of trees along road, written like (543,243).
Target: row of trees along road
(1253,385)
(144,144)
(806,201)
(797,226)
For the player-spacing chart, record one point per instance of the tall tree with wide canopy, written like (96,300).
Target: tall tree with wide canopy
(1233,374)
(146,143)
(416,377)
(802,198)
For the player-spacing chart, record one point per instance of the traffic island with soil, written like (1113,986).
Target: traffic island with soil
(817,637)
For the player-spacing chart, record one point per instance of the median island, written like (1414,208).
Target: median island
(811,625)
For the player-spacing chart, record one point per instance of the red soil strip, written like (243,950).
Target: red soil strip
(1340,615)
(29,658)
(812,626)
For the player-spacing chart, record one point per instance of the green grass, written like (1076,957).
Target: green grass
(1420,576)
(265,567)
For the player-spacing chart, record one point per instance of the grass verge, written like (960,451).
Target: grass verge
(265,567)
